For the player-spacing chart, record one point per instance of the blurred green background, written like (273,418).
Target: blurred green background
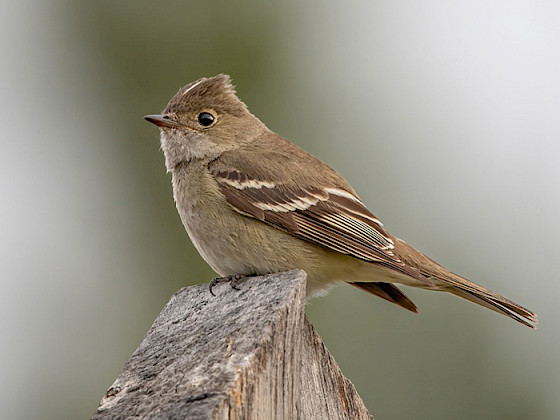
(443,115)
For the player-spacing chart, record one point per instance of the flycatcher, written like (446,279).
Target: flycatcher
(254,203)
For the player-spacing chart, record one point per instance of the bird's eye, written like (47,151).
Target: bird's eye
(206,119)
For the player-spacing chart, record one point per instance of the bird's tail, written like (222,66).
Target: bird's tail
(438,278)
(475,293)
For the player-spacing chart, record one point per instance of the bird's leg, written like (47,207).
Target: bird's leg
(232,279)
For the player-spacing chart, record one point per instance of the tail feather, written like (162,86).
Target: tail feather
(388,292)
(477,290)
(502,306)
(473,292)
(444,280)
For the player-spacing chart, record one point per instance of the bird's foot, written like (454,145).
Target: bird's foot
(233,280)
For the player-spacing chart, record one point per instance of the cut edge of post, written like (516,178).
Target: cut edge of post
(248,353)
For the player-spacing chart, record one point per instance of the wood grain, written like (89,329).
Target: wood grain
(244,354)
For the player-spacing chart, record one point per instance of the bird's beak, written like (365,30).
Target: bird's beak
(162,121)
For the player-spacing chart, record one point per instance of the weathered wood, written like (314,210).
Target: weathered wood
(244,354)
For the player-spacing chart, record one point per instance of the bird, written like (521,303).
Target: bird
(254,203)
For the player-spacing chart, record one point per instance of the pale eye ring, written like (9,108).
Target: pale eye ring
(206,119)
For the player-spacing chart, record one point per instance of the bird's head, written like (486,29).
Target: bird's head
(204,119)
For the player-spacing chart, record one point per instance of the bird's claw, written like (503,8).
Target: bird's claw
(233,280)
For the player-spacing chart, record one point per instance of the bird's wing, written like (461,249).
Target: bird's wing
(331,216)
(272,187)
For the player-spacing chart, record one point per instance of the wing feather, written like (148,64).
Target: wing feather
(330,217)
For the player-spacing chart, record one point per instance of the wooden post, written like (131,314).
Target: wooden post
(243,354)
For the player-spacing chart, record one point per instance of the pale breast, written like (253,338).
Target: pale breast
(205,218)
(232,243)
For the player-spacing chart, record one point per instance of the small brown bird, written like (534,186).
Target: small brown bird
(254,203)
